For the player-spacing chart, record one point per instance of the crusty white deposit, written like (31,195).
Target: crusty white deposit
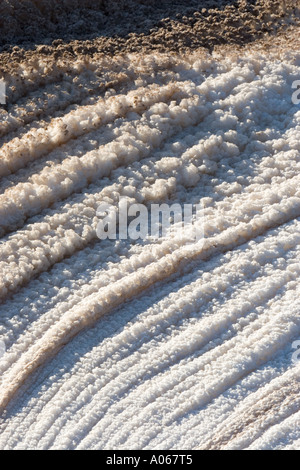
(151,344)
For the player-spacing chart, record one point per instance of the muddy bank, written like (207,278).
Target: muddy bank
(137,25)
(42,21)
(224,27)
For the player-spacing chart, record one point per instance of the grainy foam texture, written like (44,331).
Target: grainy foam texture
(160,344)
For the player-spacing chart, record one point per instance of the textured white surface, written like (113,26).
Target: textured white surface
(166,345)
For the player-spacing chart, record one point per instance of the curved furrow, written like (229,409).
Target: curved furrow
(109,298)
(246,74)
(201,151)
(82,87)
(177,306)
(279,398)
(281,201)
(207,165)
(150,363)
(19,152)
(53,102)
(76,148)
(187,390)
(44,253)
(202,295)
(62,129)
(280,436)
(198,425)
